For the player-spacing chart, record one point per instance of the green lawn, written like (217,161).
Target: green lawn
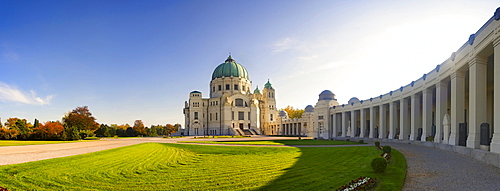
(18,143)
(223,136)
(156,166)
(278,142)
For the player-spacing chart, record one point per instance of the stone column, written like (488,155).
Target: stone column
(495,142)
(403,119)
(334,125)
(426,113)
(382,129)
(441,109)
(392,119)
(415,116)
(362,122)
(344,124)
(353,123)
(372,122)
(477,100)
(457,104)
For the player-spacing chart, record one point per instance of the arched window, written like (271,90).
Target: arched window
(239,102)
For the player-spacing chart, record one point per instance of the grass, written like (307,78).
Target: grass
(278,142)
(156,166)
(222,136)
(19,143)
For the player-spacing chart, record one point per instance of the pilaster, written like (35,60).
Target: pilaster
(404,129)
(334,124)
(382,129)
(415,116)
(392,119)
(372,122)
(344,124)
(426,114)
(441,109)
(457,104)
(362,122)
(495,142)
(477,100)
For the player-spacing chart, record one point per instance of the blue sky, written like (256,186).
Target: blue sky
(131,60)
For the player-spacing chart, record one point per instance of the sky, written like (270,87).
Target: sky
(130,60)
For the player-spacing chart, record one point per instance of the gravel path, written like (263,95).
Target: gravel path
(435,169)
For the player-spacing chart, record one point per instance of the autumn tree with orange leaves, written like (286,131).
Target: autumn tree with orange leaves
(81,119)
(139,128)
(49,130)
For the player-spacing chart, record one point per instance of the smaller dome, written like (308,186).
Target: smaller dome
(309,109)
(256,91)
(195,92)
(283,114)
(268,85)
(326,95)
(353,101)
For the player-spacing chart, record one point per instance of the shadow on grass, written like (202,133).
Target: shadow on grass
(328,168)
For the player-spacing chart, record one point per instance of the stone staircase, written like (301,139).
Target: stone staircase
(238,132)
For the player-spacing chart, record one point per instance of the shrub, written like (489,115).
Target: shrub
(429,138)
(379,164)
(347,140)
(377,144)
(361,141)
(387,149)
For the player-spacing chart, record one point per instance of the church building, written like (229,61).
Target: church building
(231,108)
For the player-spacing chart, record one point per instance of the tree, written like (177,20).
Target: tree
(70,133)
(22,126)
(121,130)
(110,132)
(169,129)
(81,119)
(157,130)
(131,132)
(139,128)
(293,113)
(36,123)
(8,133)
(105,131)
(49,130)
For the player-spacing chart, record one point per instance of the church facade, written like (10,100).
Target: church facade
(231,108)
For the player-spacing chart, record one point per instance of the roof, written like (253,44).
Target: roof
(230,68)
(268,85)
(256,91)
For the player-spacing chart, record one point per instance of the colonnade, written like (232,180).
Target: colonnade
(457,103)
(294,128)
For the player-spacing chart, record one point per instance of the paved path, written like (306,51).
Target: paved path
(428,168)
(434,169)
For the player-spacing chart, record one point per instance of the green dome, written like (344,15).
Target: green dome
(268,84)
(256,91)
(230,68)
